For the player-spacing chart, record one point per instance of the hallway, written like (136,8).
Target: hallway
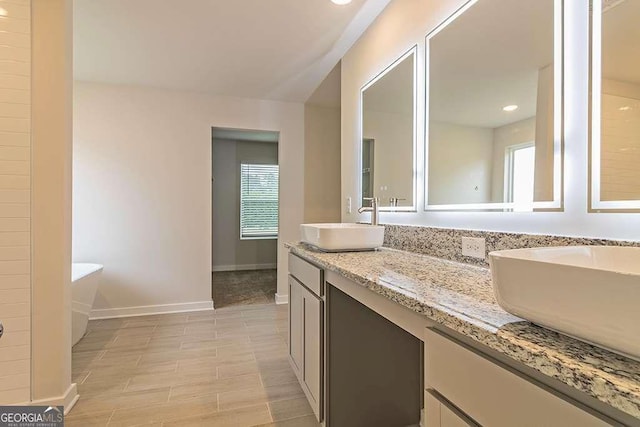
(238,288)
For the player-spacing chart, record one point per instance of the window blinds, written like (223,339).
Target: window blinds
(258,201)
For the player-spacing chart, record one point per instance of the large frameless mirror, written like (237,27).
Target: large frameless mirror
(615,105)
(494,108)
(387,150)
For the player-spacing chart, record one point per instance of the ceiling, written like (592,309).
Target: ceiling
(275,49)
(488,58)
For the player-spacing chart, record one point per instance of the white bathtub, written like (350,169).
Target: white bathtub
(84,284)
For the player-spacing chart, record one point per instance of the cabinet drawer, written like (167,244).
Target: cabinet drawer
(492,395)
(440,414)
(307,273)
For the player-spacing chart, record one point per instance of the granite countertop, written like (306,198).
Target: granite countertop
(460,297)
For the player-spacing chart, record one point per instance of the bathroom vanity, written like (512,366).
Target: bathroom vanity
(381,322)
(390,338)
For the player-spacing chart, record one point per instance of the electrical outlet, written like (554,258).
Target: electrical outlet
(348,205)
(473,247)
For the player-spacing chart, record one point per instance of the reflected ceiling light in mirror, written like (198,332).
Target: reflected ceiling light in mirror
(510,108)
(3,11)
(341,2)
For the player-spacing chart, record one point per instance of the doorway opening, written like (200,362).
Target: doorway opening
(245,206)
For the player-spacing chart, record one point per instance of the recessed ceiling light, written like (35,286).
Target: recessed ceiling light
(3,11)
(510,108)
(341,2)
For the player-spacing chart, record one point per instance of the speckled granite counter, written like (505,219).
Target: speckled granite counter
(460,297)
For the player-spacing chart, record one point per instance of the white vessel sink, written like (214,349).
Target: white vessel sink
(589,292)
(343,236)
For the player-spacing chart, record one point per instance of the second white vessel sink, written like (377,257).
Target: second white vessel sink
(337,237)
(589,292)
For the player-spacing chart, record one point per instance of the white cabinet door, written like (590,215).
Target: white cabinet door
(296,325)
(306,341)
(313,349)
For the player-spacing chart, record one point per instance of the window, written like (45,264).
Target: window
(519,175)
(258,201)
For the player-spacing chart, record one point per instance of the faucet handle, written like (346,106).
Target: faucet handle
(393,201)
(374,200)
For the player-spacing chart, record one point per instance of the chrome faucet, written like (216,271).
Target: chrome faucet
(373,209)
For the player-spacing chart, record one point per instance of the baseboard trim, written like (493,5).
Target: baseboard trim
(147,310)
(282,299)
(71,398)
(243,267)
(68,400)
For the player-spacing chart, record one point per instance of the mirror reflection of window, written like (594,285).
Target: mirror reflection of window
(491,86)
(620,101)
(388,136)
(520,161)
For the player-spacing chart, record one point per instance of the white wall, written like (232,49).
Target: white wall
(52,85)
(229,251)
(35,187)
(15,195)
(393,154)
(322,151)
(460,159)
(142,187)
(321,163)
(405,23)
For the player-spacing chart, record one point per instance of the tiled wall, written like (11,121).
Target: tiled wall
(15,194)
(620,178)
(447,243)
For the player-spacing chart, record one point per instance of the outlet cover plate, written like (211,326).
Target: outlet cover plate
(474,247)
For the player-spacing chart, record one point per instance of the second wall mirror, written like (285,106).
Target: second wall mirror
(387,154)
(494,110)
(615,105)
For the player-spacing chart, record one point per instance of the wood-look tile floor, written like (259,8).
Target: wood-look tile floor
(223,368)
(238,288)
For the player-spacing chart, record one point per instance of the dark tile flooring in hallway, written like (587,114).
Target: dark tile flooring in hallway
(223,368)
(237,288)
